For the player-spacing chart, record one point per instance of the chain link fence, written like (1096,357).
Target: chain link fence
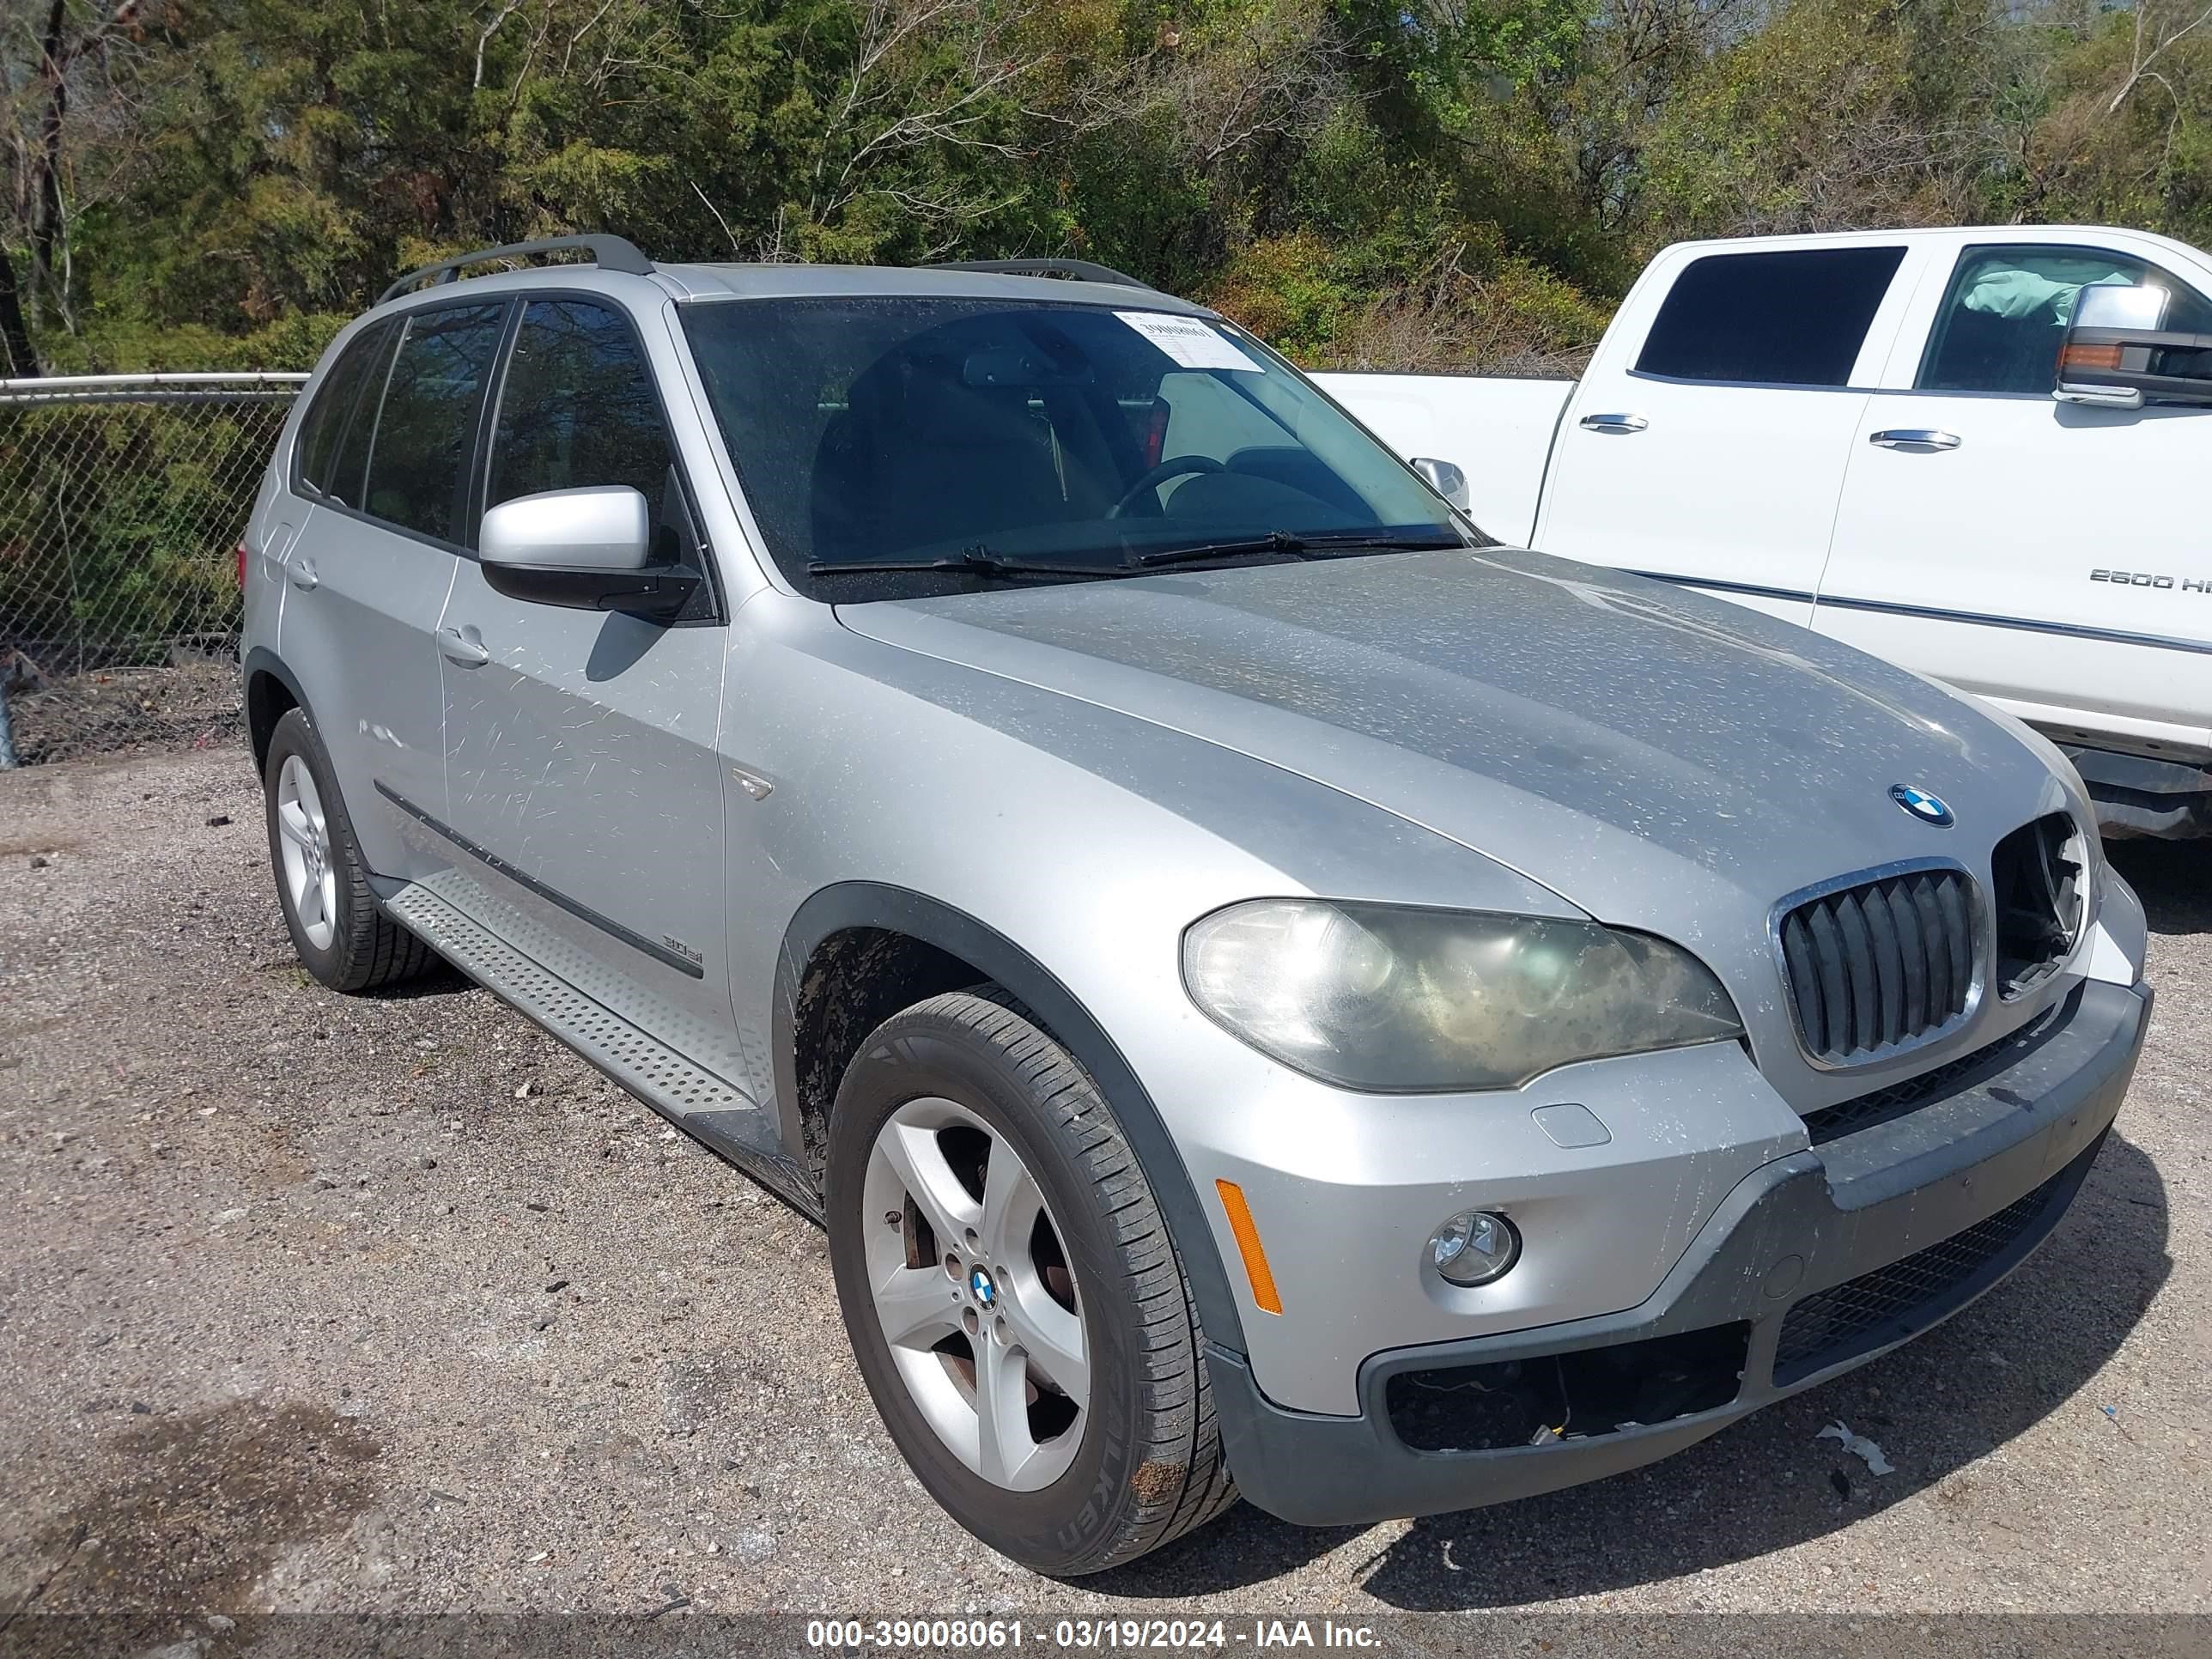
(122,501)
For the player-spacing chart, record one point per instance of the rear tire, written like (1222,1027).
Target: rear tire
(342,933)
(1128,1457)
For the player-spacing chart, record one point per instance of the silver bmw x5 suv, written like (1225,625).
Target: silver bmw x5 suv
(1265,990)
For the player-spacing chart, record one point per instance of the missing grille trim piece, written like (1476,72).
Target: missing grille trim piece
(2035,876)
(1568,1396)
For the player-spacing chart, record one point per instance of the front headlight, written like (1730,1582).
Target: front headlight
(1384,998)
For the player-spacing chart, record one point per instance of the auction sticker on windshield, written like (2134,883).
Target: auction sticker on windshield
(1191,341)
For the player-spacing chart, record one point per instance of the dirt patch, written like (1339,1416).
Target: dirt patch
(13,846)
(187,705)
(200,1505)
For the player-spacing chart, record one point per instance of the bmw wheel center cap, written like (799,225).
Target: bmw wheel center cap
(980,1285)
(1928,809)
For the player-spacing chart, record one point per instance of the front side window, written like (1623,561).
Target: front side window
(1794,318)
(323,427)
(577,408)
(2006,314)
(419,450)
(1068,437)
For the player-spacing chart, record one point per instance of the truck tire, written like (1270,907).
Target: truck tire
(1012,1296)
(342,933)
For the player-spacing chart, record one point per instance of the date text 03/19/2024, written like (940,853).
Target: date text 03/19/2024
(1083,1635)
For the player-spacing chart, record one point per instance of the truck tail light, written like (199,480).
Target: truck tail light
(241,564)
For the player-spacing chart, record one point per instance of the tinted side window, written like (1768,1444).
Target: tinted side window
(1789,319)
(419,455)
(577,407)
(323,429)
(2006,314)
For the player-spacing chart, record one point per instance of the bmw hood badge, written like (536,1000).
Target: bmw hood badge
(1928,809)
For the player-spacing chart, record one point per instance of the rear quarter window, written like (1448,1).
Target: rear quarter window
(323,427)
(1792,318)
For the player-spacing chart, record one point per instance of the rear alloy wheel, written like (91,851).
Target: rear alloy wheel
(1011,1294)
(303,853)
(342,933)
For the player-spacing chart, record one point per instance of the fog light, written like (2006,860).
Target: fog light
(1474,1246)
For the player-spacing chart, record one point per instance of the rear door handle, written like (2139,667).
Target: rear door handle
(1614,423)
(1914,437)
(302,573)
(462,647)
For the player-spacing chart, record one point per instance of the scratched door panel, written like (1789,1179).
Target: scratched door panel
(581,772)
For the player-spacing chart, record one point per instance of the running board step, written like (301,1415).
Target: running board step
(710,1109)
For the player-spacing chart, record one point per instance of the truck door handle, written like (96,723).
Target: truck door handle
(462,647)
(1914,437)
(302,573)
(1614,423)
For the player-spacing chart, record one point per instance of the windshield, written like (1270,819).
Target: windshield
(1017,441)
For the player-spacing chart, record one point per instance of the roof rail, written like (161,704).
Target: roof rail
(1079,270)
(608,253)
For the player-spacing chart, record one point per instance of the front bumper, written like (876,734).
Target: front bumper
(1813,1264)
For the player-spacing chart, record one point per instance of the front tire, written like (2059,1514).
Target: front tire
(342,933)
(1011,1294)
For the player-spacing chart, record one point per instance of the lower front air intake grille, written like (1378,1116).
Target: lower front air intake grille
(1881,1307)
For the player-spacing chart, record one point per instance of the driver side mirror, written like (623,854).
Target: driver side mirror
(589,549)
(1446,479)
(2118,352)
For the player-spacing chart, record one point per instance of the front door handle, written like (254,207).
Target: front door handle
(462,647)
(1614,423)
(302,573)
(1914,437)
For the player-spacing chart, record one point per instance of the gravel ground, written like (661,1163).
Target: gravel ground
(317,1303)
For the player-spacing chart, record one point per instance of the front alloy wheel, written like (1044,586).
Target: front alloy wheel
(1012,1296)
(971,1286)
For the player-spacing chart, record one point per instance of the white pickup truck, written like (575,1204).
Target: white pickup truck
(1871,435)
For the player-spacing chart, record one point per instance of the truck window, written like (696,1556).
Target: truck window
(2005,316)
(1794,318)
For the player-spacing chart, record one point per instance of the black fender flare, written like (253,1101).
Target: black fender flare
(260,660)
(898,910)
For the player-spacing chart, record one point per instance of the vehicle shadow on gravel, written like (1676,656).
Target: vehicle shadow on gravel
(2173,878)
(1937,1406)
(439,979)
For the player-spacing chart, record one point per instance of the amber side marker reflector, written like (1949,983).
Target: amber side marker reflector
(2091,357)
(1248,1245)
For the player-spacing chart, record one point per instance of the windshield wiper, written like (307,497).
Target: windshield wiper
(1320,546)
(980,561)
(976,560)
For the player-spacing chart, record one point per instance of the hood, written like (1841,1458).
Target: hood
(1659,759)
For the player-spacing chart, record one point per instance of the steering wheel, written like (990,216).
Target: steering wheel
(1159,475)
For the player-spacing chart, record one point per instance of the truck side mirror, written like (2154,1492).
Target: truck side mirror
(1446,479)
(2118,352)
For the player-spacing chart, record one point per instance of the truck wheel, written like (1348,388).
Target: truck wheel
(340,930)
(1011,1294)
